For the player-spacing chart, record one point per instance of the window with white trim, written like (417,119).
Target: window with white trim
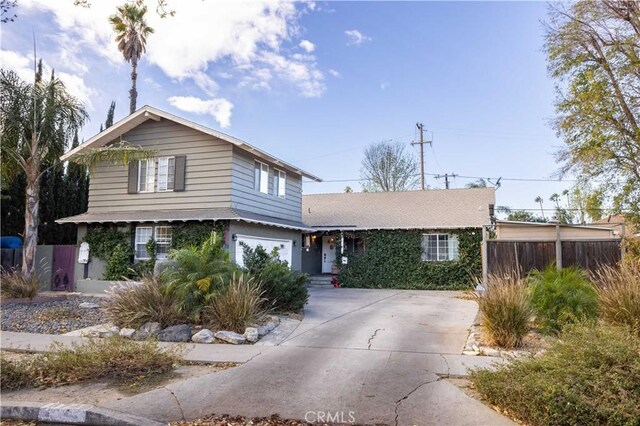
(146,175)
(439,247)
(166,173)
(262,177)
(163,241)
(279,183)
(162,237)
(143,235)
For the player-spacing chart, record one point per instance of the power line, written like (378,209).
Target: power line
(460,176)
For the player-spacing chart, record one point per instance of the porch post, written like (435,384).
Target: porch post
(341,244)
(485,260)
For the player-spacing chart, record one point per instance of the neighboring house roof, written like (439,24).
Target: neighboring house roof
(619,222)
(430,209)
(183,216)
(150,113)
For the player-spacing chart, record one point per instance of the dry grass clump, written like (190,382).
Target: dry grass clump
(239,304)
(505,310)
(134,304)
(619,295)
(14,285)
(115,358)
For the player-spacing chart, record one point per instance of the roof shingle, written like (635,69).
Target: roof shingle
(430,209)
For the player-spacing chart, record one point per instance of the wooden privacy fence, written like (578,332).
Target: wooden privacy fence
(522,256)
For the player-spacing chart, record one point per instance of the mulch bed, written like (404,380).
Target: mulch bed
(48,316)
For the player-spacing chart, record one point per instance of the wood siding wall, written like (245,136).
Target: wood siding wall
(523,256)
(207,179)
(245,196)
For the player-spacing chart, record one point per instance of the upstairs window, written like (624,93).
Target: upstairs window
(166,173)
(279,183)
(439,247)
(262,177)
(146,175)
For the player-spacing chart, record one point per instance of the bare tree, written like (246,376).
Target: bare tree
(388,167)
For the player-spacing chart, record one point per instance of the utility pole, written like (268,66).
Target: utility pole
(446,177)
(420,127)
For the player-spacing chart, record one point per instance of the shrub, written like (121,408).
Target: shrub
(591,376)
(561,297)
(119,266)
(283,288)
(238,305)
(13,375)
(15,285)
(132,305)
(619,295)
(196,274)
(505,310)
(114,358)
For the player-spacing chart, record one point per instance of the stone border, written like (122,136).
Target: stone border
(472,346)
(76,414)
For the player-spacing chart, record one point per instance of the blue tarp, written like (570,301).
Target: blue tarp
(10,242)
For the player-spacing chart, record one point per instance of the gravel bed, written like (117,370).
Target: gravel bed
(52,317)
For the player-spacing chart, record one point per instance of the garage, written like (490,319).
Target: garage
(283,246)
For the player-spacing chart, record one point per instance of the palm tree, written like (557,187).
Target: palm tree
(555,198)
(131,34)
(37,121)
(539,200)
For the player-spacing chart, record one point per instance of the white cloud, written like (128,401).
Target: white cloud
(307,46)
(356,38)
(218,108)
(204,36)
(23,66)
(384,85)
(334,73)
(152,83)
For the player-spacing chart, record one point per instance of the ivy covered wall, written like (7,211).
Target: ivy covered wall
(392,259)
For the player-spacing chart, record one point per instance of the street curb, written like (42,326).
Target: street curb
(77,414)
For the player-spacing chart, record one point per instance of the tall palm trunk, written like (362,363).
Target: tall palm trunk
(31,216)
(133,92)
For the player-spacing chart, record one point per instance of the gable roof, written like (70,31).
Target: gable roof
(430,209)
(150,113)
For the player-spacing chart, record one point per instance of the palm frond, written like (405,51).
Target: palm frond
(119,153)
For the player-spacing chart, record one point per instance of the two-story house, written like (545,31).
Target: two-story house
(198,175)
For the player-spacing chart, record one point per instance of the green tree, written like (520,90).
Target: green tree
(112,109)
(388,167)
(131,30)
(36,120)
(593,50)
(524,216)
(480,183)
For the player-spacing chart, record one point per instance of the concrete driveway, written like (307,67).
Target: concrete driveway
(363,356)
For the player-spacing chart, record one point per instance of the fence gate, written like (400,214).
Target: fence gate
(62,268)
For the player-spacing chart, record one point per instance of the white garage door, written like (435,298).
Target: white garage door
(283,246)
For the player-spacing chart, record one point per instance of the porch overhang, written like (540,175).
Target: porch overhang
(200,215)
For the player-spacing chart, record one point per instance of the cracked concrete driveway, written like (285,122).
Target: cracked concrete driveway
(373,356)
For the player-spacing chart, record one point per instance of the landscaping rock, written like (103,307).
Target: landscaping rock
(230,337)
(175,333)
(263,330)
(251,334)
(127,333)
(271,326)
(486,351)
(275,319)
(203,336)
(88,305)
(149,329)
(102,330)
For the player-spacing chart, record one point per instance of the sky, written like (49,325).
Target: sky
(315,83)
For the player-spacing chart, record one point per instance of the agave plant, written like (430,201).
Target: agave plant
(197,273)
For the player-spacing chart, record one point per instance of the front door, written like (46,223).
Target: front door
(62,268)
(328,253)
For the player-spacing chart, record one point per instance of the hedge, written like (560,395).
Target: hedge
(392,259)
